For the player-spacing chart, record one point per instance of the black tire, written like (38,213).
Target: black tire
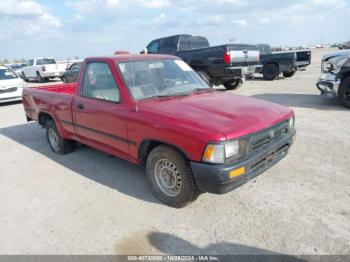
(63,146)
(344,92)
(289,74)
(270,72)
(163,155)
(206,77)
(39,78)
(24,77)
(64,79)
(233,84)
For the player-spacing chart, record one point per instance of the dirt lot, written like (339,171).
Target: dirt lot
(88,202)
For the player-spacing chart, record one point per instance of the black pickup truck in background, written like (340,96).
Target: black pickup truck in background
(287,63)
(218,65)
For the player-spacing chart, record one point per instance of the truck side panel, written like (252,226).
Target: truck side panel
(57,105)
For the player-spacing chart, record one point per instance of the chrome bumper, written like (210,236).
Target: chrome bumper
(328,83)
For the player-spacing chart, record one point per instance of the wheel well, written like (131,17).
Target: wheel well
(43,118)
(273,63)
(147,146)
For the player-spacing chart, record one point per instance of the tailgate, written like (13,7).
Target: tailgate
(244,55)
(53,68)
(303,58)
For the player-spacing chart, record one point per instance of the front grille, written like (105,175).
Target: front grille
(8,90)
(266,136)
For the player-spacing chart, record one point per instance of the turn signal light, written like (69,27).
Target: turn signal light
(237,172)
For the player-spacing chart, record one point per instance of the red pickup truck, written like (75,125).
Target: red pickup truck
(155,111)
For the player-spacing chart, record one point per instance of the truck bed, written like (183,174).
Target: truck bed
(56,99)
(69,88)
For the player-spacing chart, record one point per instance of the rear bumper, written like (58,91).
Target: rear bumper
(328,84)
(215,178)
(242,70)
(51,74)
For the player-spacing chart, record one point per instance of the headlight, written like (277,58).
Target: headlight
(327,66)
(291,122)
(218,153)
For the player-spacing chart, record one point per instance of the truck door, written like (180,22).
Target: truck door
(99,112)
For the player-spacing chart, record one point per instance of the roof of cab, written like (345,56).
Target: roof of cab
(131,57)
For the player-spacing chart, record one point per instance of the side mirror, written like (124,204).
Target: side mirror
(144,51)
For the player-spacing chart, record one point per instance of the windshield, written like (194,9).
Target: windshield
(158,78)
(6,74)
(15,67)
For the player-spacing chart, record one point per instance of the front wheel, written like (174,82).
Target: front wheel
(171,177)
(270,72)
(24,77)
(58,144)
(344,92)
(233,84)
(40,79)
(289,74)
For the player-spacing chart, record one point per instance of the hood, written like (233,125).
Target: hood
(15,82)
(226,113)
(344,53)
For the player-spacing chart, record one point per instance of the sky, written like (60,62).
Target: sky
(68,28)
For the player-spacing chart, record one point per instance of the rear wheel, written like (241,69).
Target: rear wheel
(344,92)
(58,144)
(270,72)
(205,76)
(171,177)
(289,74)
(233,84)
(40,79)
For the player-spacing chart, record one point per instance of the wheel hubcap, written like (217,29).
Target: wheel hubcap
(168,177)
(53,138)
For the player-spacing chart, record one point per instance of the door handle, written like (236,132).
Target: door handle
(80,106)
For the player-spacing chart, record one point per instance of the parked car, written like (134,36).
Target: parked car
(345,45)
(11,85)
(155,111)
(71,74)
(218,65)
(17,68)
(42,69)
(287,63)
(335,76)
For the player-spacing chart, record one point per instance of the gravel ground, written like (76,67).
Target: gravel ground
(88,202)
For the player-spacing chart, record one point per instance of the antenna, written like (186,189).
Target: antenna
(132,68)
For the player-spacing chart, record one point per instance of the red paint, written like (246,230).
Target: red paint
(186,122)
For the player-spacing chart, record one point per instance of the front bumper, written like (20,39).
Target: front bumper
(7,95)
(215,178)
(328,84)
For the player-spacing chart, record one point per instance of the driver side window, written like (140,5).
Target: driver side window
(153,47)
(99,83)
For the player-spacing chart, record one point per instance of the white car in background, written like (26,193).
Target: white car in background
(42,69)
(11,85)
